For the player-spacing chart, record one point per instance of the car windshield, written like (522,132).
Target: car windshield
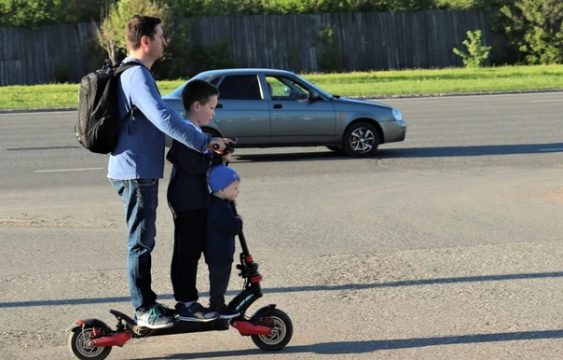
(316,88)
(177,93)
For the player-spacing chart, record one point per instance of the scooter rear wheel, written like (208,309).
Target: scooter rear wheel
(282,330)
(80,345)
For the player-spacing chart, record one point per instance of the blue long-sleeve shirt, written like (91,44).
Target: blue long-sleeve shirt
(139,153)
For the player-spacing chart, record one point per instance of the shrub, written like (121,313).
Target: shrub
(535,28)
(477,53)
(329,55)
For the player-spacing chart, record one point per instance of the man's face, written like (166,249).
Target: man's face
(157,44)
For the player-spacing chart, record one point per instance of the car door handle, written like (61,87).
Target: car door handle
(278,106)
(219,106)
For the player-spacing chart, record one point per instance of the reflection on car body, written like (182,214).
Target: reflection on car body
(267,107)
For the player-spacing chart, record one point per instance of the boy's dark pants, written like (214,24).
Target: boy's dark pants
(190,231)
(218,283)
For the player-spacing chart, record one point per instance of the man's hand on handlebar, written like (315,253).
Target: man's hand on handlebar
(218,145)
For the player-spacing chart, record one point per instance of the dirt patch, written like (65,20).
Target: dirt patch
(555,195)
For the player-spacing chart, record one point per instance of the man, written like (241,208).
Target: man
(137,162)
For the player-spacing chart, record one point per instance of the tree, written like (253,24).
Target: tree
(535,28)
(477,53)
(111,31)
(33,13)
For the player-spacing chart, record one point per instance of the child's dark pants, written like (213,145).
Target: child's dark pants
(218,283)
(190,231)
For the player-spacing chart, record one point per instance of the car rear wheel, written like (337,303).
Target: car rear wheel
(361,139)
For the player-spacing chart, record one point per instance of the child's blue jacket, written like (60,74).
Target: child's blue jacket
(222,227)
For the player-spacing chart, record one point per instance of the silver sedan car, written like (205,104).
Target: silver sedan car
(267,108)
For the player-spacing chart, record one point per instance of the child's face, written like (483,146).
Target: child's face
(230,192)
(201,114)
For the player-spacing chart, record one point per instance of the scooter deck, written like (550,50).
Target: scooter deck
(182,327)
(179,327)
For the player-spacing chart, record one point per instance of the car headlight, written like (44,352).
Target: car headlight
(399,117)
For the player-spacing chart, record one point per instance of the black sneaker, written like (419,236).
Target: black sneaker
(225,313)
(195,312)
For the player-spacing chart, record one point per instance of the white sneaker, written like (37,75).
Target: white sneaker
(155,318)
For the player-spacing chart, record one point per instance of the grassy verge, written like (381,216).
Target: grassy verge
(356,84)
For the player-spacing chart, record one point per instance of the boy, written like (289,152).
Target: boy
(188,198)
(222,227)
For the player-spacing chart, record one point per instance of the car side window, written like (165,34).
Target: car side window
(240,87)
(282,88)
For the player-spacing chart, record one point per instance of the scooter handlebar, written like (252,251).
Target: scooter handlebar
(229,147)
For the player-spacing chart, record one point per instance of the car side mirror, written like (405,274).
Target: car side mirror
(314,96)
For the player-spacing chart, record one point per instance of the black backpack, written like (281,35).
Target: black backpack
(98,118)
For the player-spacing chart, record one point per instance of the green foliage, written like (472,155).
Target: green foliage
(60,74)
(209,57)
(174,63)
(190,8)
(477,53)
(33,13)
(43,12)
(471,4)
(535,28)
(329,55)
(111,31)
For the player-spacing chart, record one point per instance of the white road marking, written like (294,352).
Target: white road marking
(67,170)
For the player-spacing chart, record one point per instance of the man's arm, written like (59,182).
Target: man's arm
(145,97)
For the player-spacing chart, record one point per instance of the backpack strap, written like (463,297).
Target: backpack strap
(119,69)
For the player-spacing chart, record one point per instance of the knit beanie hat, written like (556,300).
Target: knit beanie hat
(221,176)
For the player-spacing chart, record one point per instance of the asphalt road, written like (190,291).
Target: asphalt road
(447,245)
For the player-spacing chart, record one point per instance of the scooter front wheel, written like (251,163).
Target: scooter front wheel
(282,330)
(80,344)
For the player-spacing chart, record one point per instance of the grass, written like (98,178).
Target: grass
(355,84)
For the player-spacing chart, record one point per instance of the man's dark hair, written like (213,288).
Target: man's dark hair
(197,90)
(138,27)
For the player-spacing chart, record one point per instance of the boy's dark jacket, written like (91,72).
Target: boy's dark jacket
(222,227)
(188,188)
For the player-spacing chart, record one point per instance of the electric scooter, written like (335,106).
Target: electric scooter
(269,328)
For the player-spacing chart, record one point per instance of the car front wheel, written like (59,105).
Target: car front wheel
(361,139)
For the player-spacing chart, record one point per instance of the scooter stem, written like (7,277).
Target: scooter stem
(241,237)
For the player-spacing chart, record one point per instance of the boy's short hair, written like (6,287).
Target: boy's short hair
(197,90)
(138,27)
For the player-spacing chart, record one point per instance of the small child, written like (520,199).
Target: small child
(222,227)
(188,198)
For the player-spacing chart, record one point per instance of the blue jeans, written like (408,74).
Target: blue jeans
(140,200)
